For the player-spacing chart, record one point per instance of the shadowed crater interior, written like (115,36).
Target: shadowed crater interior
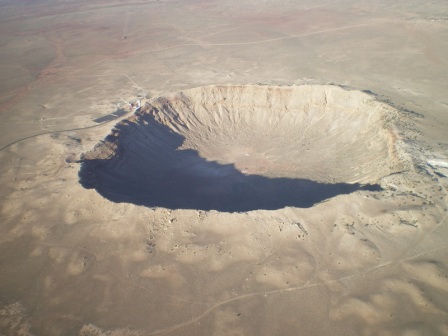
(242,148)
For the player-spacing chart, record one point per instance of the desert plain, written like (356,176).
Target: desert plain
(286,173)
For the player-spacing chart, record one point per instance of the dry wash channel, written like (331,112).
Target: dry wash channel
(242,148)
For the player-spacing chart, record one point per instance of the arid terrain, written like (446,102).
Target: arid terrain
(286,173)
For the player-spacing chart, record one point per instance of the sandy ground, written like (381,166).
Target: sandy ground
(73,262)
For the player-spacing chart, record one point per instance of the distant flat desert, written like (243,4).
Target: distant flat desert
(223,167)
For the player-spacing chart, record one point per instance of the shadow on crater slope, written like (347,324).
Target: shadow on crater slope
(141,163)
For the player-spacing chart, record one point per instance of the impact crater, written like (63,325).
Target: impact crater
(241,148)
